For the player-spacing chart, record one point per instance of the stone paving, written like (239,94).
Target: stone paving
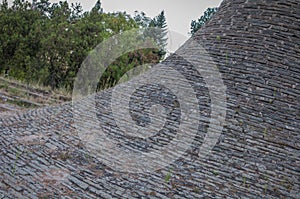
(255,45)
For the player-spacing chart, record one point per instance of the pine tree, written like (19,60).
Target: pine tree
(76,11)
(43,6)
(141,19)
(160,33)
(97,8)
(4,5)
(196,25)
(161,23)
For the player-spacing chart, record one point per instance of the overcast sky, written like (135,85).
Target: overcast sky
(179,13)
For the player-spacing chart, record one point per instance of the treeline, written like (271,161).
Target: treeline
(200,22)
(46,43)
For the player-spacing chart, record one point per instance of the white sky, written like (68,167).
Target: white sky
(179,13)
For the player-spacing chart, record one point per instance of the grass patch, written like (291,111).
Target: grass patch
(168,177)
(3,86)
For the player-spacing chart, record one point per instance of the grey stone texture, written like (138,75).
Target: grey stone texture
(255,45)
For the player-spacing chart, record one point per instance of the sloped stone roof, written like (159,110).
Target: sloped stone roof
(255,45)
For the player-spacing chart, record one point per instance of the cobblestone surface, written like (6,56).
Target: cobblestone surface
(256,47)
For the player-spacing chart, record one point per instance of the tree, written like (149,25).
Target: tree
(97,8)
(17,50)
(46,43)
(160,23)
(43,6)
(196,25)
(60,12)
(155,29)
(4,5)
(76,11)
(141,19)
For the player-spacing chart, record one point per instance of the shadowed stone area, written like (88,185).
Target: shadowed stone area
(255,45)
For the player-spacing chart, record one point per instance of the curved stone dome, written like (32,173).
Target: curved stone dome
(254,46)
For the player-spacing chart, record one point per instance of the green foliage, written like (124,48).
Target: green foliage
(141,19)
(46,43)
(197,24)
(97,8)
(157,29)
(168,176)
